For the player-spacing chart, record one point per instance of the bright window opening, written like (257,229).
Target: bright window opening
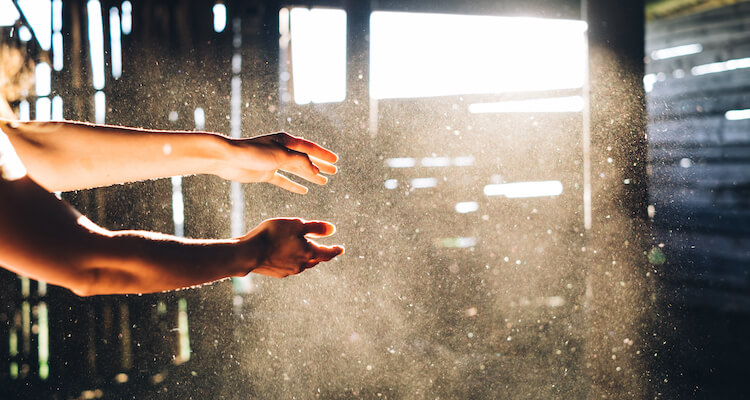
(318,54)
(39,15)
(8,13)
(424,55)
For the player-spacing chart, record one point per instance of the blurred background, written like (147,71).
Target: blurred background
(541,199)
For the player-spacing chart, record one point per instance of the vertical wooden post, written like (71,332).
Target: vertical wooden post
(617,239)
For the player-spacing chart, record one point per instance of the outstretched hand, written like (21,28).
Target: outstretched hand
(261,158)
(285,248)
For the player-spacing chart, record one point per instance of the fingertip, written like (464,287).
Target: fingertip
(320,228)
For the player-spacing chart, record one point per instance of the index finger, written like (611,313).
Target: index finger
(319,228)
(308,147)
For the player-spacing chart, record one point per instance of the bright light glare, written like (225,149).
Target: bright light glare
(738,63)
(422,55)
(200,119)
(24,33)
(57,51)
(57,108)
(391,184)
(463,161)
(115,42)
(524,189)
(466,207)
(178,206)
(39,15)
(423,183)
(736,115)
(100,107)
(57,13)
(220,17)
(549,105)
(401,162)
(43,79)
(678,51)
(8,13)
(96,42)
(649,80)
(318,40)
(127,17)
(458,242)
(24,110)
(43,109)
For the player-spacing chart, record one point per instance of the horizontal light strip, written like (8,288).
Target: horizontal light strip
(736,115)
(738,63)
(677,51)
(401,162)
(524,189)
(457,242)
(409,162)
(463,161)
(465,207)
(423,183)
(436,162)
(555,104)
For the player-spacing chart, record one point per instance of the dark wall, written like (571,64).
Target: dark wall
(699,170)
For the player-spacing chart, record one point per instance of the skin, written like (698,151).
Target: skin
(46,239)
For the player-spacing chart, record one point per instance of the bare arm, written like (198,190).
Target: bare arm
(65,155)
(46,239)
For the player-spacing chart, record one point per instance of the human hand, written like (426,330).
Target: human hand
(282,247)
(260,158)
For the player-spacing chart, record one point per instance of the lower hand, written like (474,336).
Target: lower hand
(283,248)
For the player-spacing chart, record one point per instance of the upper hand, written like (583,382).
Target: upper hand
(260,158)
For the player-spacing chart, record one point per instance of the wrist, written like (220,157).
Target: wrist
(219,150)
(253,250)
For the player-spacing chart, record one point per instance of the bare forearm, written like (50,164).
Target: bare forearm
(66,155)
(146,262)
(45,239)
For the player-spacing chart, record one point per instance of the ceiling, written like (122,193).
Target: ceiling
(662,9)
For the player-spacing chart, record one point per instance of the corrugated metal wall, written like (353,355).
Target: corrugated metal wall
(700,158)
(699,170)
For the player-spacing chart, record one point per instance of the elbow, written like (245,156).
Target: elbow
(88,283)
(103,281)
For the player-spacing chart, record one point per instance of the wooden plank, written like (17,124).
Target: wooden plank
(677,26)
(721,48)
(734,81)
(673,155)
(698,106)
(702,176)
(711,131)
(701,244)
(699,32)
(689,132)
